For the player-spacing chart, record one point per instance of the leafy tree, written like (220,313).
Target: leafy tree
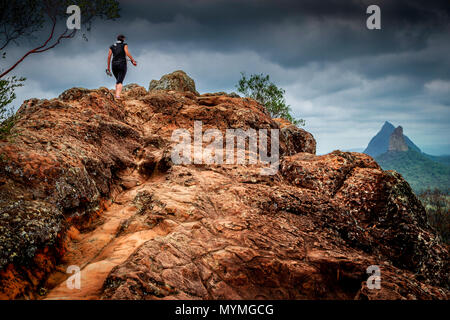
(23,18)
(7,95)
(259,87)
(18,19)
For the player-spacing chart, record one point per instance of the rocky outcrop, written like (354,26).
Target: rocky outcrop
(177,81)
(90,182)
(397,141)
(295,139)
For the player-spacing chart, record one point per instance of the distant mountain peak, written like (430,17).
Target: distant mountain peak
(379,144)
(397,141)
(387,125)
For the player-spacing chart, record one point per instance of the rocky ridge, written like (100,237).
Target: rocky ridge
(89,181)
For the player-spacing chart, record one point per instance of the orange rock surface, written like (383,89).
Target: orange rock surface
(89,182)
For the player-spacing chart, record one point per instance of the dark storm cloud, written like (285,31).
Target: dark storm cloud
(290,32)
(253,12)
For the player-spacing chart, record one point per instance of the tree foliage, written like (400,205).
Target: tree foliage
(21,19)
(7,95)
(437,206)
(260,88)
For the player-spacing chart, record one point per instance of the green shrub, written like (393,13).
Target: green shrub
(7,95)
(259,87)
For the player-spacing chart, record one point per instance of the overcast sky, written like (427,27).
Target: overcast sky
(342,78)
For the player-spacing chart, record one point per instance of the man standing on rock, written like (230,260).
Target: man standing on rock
(119,51)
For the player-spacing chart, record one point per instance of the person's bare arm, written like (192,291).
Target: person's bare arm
(109,60)
(129,55)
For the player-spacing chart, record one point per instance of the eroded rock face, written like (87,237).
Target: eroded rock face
(397,140)
(177,81)
(90,182)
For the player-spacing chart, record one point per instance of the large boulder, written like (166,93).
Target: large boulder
(177,81)
(295,139)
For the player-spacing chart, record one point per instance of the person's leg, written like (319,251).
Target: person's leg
(118,89)
(121,71)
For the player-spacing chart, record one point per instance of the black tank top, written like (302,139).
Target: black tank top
(118,51)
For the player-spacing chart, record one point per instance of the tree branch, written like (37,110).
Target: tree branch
(33,50)
(62,36)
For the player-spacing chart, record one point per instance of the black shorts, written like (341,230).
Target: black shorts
(119,71)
